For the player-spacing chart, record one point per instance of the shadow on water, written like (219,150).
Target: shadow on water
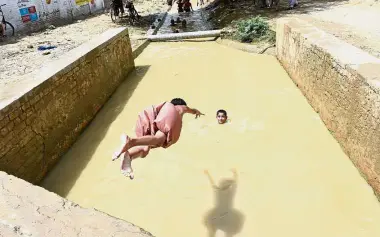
(224,216)
(67,171)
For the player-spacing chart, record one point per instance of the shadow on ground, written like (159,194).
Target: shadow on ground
(223,216)
(95,132)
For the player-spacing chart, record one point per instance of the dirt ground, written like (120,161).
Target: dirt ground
(19,56)
(354,22)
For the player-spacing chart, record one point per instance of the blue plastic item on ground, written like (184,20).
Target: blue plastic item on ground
(42,47)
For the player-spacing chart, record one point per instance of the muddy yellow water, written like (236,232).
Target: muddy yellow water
(293,180)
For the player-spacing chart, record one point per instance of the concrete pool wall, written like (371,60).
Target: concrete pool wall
(342,83)
(40,123)
(48,118)
(28,210)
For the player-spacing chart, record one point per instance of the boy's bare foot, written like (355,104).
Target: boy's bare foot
(126,166)
(124,142)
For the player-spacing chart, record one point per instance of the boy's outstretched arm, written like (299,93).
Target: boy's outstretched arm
(186,109)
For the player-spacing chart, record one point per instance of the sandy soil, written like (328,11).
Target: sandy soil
(19,56)
(354,22)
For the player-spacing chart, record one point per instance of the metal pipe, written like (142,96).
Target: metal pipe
(186,35)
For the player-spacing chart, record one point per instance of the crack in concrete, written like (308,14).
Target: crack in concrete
(8,192)
(20,229)
(15,228)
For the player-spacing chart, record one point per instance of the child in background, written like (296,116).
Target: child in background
(180,5)
(187,6)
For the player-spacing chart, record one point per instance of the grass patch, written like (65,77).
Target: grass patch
(254,30)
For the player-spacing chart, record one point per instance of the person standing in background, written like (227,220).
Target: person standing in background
(187,6)
(293,4)
(180,6)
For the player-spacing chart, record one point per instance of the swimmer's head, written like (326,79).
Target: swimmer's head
(178,101)
(221,116)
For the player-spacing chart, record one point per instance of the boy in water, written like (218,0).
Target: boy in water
(157,126)
(221,116)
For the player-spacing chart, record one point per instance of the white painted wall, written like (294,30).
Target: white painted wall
(47,12)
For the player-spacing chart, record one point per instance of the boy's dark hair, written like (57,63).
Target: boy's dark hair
(221,111)
(178,101)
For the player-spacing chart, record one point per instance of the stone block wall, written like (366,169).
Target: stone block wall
(342,83)
(27,210)
(43,121)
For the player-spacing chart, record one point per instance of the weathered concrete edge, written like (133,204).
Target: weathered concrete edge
(67,103)
(137,51)
(360,73)
(39,211)
(65,63)
(237,45)
(244,47)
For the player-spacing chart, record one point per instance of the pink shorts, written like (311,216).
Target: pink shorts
(169,121)
(145,122)
(145,125)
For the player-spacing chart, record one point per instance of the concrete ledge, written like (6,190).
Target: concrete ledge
(342,83)
(237,45)
(49,112)
(249,48)
(27,210)
(140,48)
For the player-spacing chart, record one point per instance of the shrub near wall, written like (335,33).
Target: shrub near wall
(41,125)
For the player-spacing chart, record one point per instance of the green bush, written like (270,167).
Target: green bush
(256,28)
